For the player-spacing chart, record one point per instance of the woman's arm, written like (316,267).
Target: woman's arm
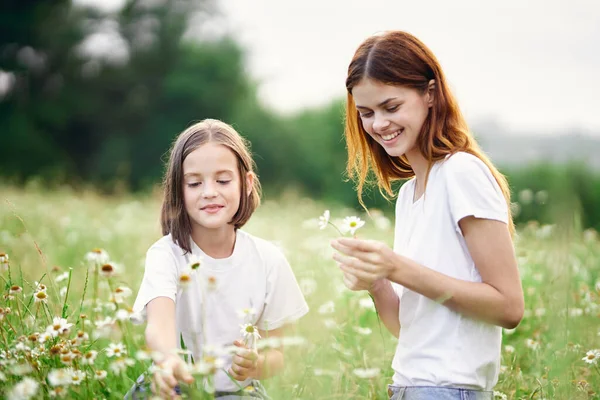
(385,298)
(498,299)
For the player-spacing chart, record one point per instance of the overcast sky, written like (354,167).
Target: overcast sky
(530,65)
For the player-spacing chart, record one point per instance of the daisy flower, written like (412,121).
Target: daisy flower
(3,261)
(352,224)
(108,270)
(366,373)
(97,256)
(324,219)
(89,357)
(591,357)
(77,377)
(24,390)
(250,334)
(100,374)
(185,278)
(40,296)
(116,350)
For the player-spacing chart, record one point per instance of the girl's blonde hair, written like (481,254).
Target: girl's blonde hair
(174,218)
(398,58)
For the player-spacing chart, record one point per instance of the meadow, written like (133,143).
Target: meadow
(66,332)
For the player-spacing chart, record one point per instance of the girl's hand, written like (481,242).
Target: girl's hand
(364,262)
(244,363)
(171,370)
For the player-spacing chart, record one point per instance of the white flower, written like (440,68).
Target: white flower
(116,350)
(250,334)
(89,357)
(499,395)
(591,357)
(77,377)
(532,344)
(122,315)
(122,292)
(211,283)
(367,303)
(185,278)
(324,220)
(40,296)
(24,390)
(366,373)
(509,349)
(59,326)
(121,364)
(352,224)
(327,308)
(21,369)
(3,261)
(363,331)
(109,269)
(62,277)
(100,374)
(97,256)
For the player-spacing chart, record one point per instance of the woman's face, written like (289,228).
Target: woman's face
(392,115)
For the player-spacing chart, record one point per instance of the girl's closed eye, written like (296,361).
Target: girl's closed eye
(368,114)
(223,182)
(393,108)
(193,184)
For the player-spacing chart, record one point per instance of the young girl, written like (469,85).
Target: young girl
(206,276)
(451,282)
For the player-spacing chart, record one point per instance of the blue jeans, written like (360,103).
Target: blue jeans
(436,392)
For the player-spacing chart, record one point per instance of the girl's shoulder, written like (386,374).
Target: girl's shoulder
(261,245)
(166,245)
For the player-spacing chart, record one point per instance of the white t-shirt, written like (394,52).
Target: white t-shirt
(438,346)
(256,275)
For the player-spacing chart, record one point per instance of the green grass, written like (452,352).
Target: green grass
(48,233)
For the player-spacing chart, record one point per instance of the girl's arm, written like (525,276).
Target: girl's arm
(498,299)
(251,364)
(161,337)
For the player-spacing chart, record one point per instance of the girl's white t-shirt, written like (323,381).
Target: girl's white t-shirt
(438,346)
(256,276)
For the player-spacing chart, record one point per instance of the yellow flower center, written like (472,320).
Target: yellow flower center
(250,329)
(353,224)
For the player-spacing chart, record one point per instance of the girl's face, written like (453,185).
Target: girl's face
(392,115)
(212,186)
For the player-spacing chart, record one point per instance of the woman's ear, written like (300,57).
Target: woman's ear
(249,182)
(430,92)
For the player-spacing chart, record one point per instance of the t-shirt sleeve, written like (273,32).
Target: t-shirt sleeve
(473,190)
(160,280)
(284,302)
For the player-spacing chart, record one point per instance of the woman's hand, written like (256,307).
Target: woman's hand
(364,262)
(171,370)
(244,363)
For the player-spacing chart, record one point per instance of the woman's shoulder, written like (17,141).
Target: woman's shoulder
(462,164)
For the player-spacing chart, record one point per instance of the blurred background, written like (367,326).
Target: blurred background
(93,92)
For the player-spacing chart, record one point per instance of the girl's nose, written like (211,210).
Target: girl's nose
(209,191)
